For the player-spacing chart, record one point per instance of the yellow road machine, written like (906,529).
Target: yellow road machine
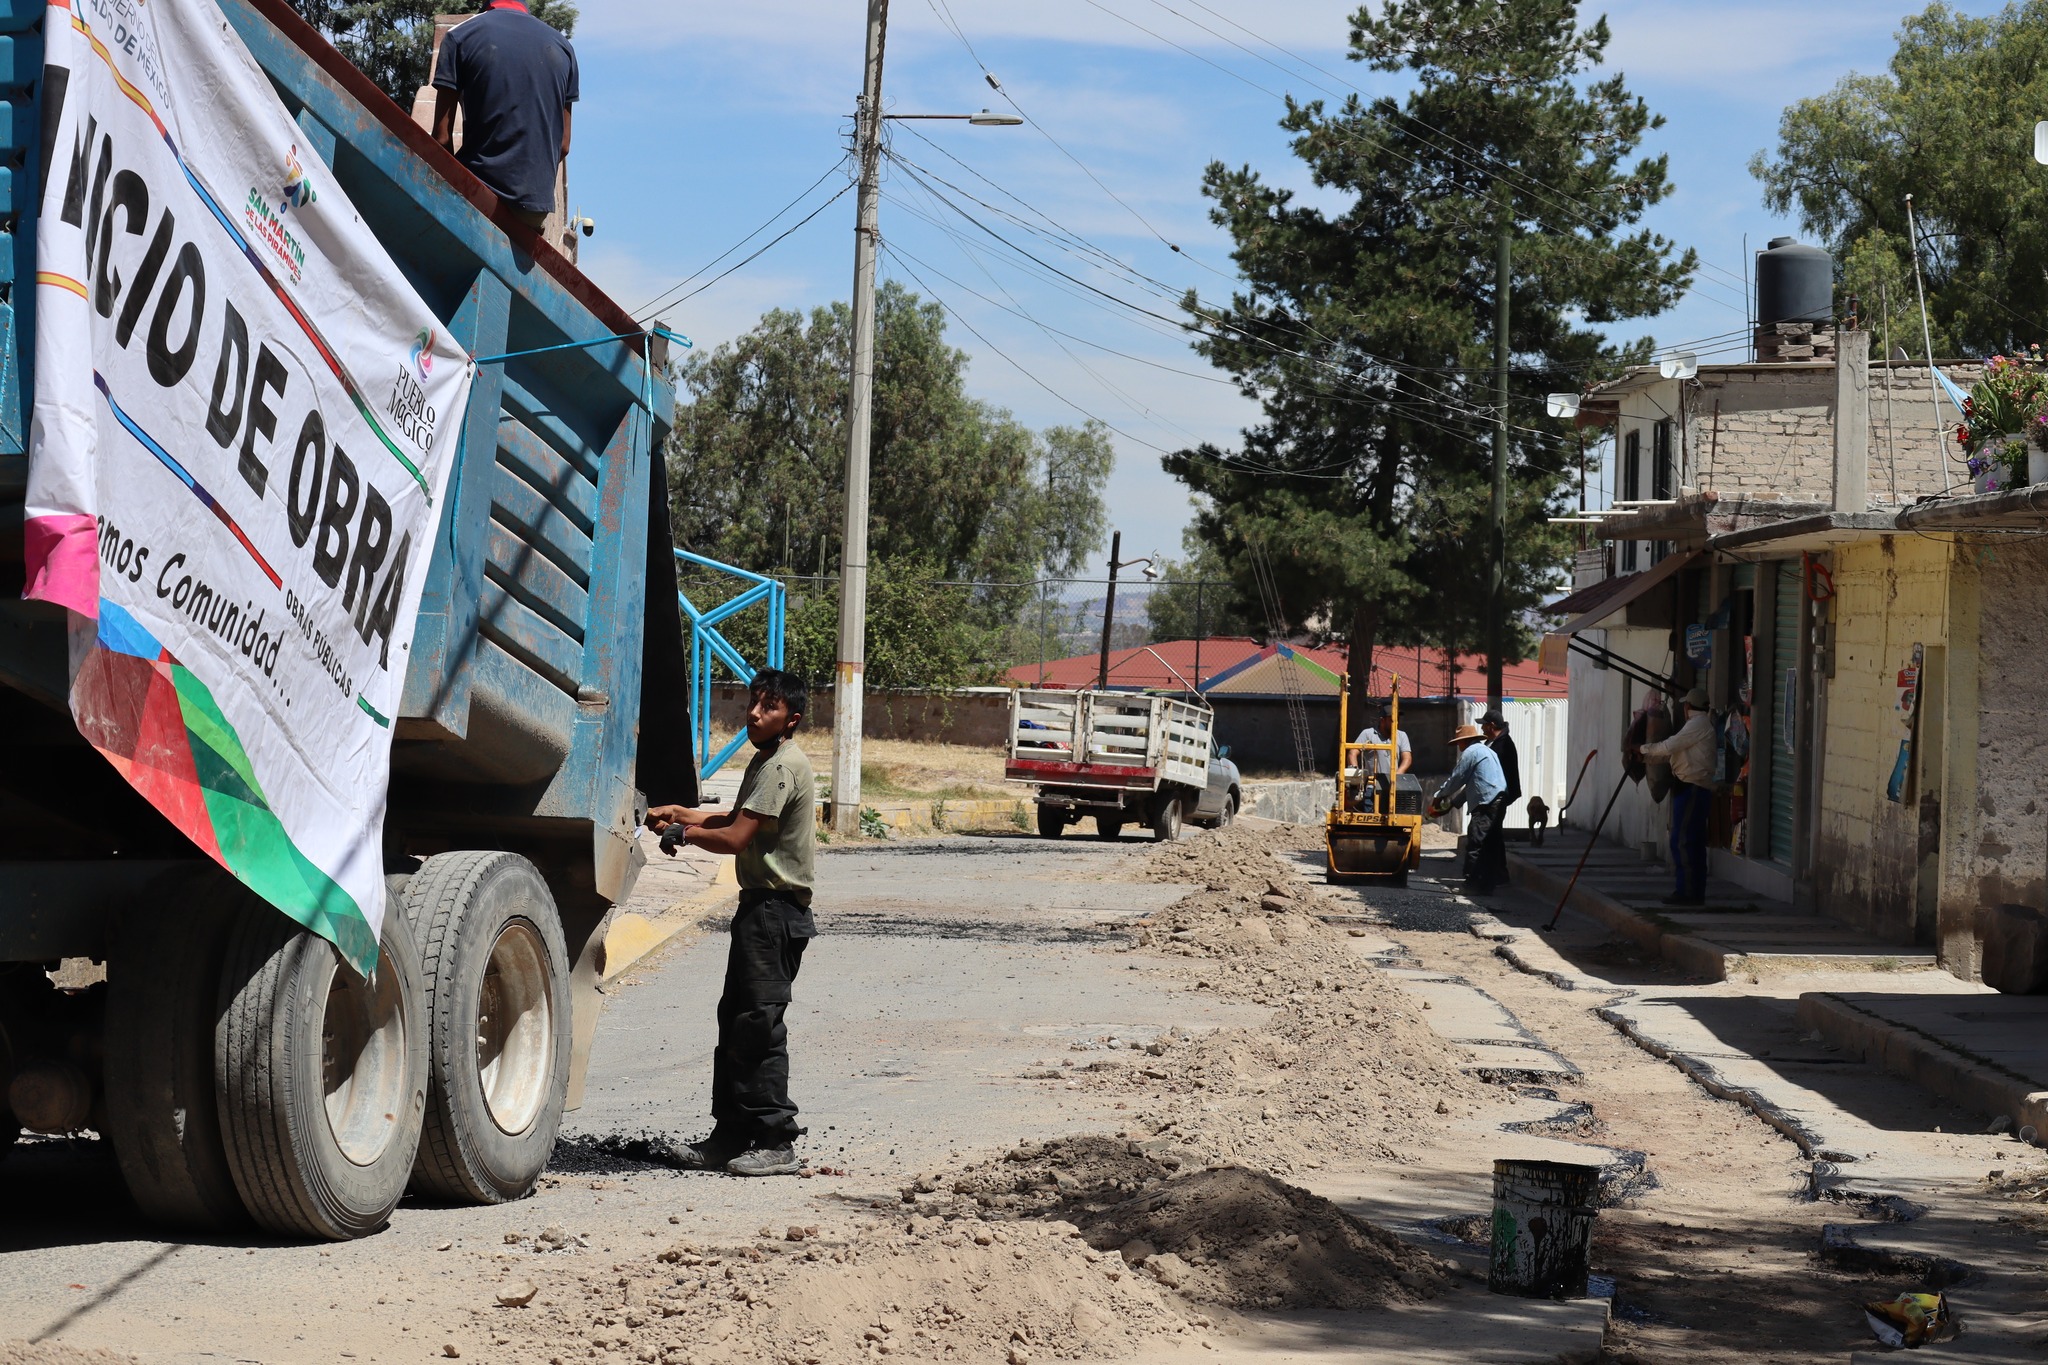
(1374,829)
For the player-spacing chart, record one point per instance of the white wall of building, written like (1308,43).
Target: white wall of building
(1603,703)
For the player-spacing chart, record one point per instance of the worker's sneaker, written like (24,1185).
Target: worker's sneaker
(709,1153)
(766,1161)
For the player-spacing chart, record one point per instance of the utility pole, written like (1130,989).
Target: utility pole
(1116,549)
(1497,522)
(847,680)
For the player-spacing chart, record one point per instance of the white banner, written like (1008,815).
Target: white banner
(244,421)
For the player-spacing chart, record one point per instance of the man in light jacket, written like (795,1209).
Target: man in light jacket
(1477,781)
(1690,753)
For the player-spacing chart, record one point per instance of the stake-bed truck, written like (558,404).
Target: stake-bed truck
(236,1068)
(1125,758)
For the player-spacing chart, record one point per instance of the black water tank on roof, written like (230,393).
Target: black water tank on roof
(1794,283)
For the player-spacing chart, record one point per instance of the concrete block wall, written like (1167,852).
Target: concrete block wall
(1773,436)
(1890,594)
(1763,432)
(1909,458)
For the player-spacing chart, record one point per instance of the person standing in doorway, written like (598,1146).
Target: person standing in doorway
(771,833)
(1494,726)
(1476,779)
(514,78)
(1690,753)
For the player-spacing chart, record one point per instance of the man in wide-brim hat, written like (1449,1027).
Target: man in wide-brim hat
(1478,781)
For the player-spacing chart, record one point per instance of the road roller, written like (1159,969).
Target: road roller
(1374,828)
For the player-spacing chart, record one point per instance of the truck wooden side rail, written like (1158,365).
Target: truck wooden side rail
(514,793)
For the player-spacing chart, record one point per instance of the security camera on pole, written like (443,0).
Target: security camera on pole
(847,692)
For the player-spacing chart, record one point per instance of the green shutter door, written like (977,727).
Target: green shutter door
(1784,710)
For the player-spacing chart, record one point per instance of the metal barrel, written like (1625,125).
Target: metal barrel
(1543,1215)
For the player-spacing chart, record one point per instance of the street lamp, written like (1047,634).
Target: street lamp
(847,693)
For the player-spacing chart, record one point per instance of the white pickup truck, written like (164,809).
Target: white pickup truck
(1123,757)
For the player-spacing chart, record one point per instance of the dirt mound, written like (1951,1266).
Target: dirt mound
(1227,1236)
(1291,1094)
(1235,859)
(56,1353)
(917,1287)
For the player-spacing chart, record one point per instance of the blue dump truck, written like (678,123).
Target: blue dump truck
(238,1070)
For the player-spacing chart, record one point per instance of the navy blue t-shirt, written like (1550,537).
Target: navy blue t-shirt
(514,75)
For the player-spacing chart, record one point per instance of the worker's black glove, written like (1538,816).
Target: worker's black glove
(672,837)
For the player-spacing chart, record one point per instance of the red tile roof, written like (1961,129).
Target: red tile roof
(1171,664)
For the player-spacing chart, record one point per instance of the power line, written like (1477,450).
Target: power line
(659,299)
(766,246)
(1492,163)
(1341,133)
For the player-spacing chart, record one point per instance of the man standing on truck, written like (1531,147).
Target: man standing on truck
(770,833)
(514,78)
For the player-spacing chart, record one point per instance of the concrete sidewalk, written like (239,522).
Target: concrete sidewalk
(1737,933)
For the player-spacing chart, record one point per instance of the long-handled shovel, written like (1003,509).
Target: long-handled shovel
(1590,842)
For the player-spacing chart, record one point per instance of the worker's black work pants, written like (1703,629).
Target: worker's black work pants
(1497,843)
(750,1069)
(1484,850)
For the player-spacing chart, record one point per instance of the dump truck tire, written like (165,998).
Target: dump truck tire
(499,1034)
(1108,828)
(1228,816)
(322,1077)
(1052,821)
(163,1118)
(1166,820)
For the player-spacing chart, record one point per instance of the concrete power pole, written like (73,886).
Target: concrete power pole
(1497,521)
(847,680)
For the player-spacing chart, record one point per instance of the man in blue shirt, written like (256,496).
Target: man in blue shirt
(514,78)
(1477,779)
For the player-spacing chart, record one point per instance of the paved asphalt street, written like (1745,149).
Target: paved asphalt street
(944,969)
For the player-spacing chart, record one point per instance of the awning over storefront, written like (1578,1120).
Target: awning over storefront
(1590,606)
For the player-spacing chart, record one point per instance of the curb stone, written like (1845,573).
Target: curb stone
(1923,1060)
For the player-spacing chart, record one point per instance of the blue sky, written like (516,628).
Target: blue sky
(699,122)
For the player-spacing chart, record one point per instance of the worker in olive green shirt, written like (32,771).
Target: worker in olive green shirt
(770,834)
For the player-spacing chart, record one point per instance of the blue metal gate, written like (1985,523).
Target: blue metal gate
(708,648)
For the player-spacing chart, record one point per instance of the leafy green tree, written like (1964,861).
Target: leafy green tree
(920,634)
(1950,123)
(958,489)
(1365,329)
(392,41)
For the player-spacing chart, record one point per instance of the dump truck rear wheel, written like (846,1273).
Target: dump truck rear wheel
(322,1076)
(1108,827)
(1166,820)
(163,1119)
(497,975)
(1052,821)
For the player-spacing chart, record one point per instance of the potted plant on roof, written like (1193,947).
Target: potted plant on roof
(2003,432)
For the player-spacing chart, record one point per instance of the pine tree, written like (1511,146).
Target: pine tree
(1366,332)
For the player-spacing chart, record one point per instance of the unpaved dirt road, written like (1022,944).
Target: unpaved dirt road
(1067,1100)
